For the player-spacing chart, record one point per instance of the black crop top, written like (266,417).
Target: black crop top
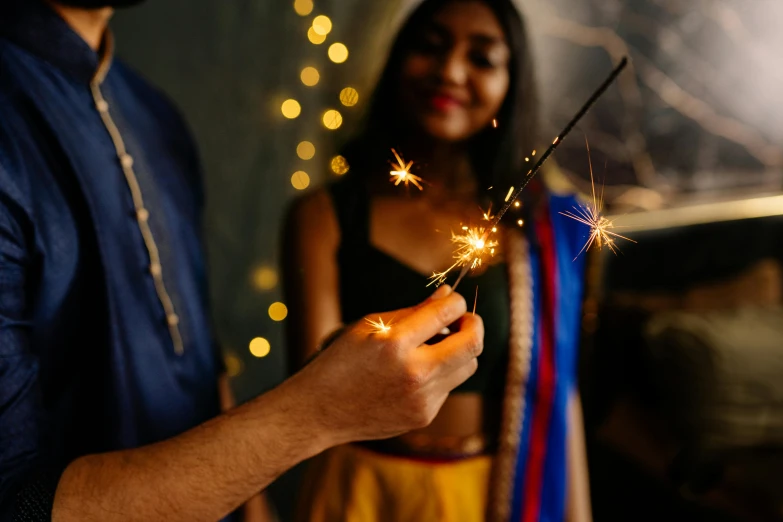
(396,285)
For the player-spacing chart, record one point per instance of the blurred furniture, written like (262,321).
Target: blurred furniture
(682,372)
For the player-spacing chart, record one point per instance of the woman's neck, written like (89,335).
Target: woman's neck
(445,167)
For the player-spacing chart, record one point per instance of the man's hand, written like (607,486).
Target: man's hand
(373,384)
(365,385)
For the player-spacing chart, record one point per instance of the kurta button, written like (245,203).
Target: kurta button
(155,269)
(126,160)
(173,319)
(142,214)
(102,105)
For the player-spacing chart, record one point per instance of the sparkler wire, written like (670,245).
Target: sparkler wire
(542,159)
(571,124)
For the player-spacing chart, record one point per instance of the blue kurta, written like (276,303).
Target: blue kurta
(105,339)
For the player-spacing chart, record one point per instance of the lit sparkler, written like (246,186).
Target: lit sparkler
(379,325)
(402,174)
(467,255)
(473,246)
(487,216)
(590,215)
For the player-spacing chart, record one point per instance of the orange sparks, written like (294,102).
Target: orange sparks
(473,246)
(487,216)
(508,196)
(494,123)
(379,325)
(402,174)
(590,215)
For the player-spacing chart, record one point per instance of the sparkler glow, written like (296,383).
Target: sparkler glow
(472,247)
(487,216)
(590,215)
(402,174)
(379,325)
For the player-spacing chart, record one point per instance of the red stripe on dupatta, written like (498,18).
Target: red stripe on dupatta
(545,392)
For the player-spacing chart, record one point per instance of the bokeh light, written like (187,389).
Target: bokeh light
(338,52)
(339,165)
(300,180)
(278,311)
(314,37)
(291,108)
(234,365)
(305,150)
(310,76)
(260,347)
(264,278)
(303,7)
(322,25)
(332,119)
(349,96)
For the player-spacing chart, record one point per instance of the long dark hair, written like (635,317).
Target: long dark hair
(497,154)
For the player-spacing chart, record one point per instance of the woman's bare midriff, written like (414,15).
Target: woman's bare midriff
(463,419)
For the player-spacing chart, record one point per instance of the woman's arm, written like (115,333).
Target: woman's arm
(578,507)
(310,241)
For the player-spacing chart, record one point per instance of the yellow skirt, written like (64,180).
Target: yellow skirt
(353,484)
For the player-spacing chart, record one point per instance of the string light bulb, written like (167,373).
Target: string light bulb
(339,165)
(264,278)
(260,347)
(303,7)
(233,364)
(349,96)
(305,150)
(278,311)
(310,76)
(314,37)
(322,25)
(332,119)
(338,52)
(300,180)
(291,108)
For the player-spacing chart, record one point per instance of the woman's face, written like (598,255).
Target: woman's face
(455,77)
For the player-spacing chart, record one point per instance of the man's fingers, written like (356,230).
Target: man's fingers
(395,316)
(458,349)
(428,319)
(458,376)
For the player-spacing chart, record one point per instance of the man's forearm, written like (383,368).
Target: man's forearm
(203,474)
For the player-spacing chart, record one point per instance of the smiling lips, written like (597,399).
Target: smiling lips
(443,102)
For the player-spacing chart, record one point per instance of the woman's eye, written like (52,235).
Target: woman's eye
(429,44)
(481,60)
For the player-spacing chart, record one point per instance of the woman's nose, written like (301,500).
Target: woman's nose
(453,69)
